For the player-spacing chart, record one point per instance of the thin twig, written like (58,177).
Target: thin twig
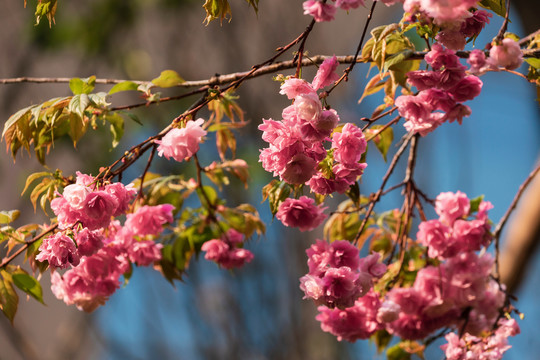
(504,219)
(504,25)
(345,75)
(378,194)
(25,246)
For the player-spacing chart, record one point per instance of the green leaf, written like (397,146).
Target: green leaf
(475,204)
(535,63)
(9,299)
(168,78)
(9,216)
(33,177)
(497,6)
(381,338)
(254,4)
(397,353)
(28,284)
(123,86)
(117,127)
(82,86)
(383,140)
(397,58)
(216,9)
(77,127)
(78,104)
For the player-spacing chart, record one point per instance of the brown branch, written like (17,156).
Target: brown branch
(528,38)
(504,25)
(345,75)
(9,259)
(260,70)
(379,192)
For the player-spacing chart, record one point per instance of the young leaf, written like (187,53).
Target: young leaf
(78,104)
(124,86)
(497,6)
(9,216)
(383,139)
(168,78)
(117,127)
(28,284)
(82,86)
(9,299)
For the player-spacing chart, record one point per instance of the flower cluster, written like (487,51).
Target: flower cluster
(452,234)
(507,55)
(97,247)
(460,285)
(441,92)
(296,142)
(227,251)
(181,144)
(458,20)
(337,275)
(453,290)
(472,347)
(341,282)
(301,213)
(325,12)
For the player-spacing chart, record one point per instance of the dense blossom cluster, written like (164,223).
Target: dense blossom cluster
(95,245)
(492,347)
(442,92)
(455,291)
(296,142)
(341,282)
(227,251)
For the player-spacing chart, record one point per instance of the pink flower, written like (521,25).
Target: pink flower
(225,251)
(149,220)
(448,10)
(312,286)
(371,265)
(452,39)
(353,323)
(181,144)
(319,257)
(349,4)
(456,348)
(75,195)
(458,112)
(89,242)
(84,179)
(388,312)
(348,173)
(307,106)
(65,215)
(97,210)
(340,286)
(472,234)
(321,185)
(349,144)
(326,74)
(59,250)
(467,89)
(507,54)
(422,79)
(438,238)
(123,195)
(319,11)
(439,57)
(299,169)
(292,87)
(474,24)
(343,253)
(451,206)
(301,213)
(144,252)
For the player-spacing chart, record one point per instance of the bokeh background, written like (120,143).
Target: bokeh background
(256,312)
